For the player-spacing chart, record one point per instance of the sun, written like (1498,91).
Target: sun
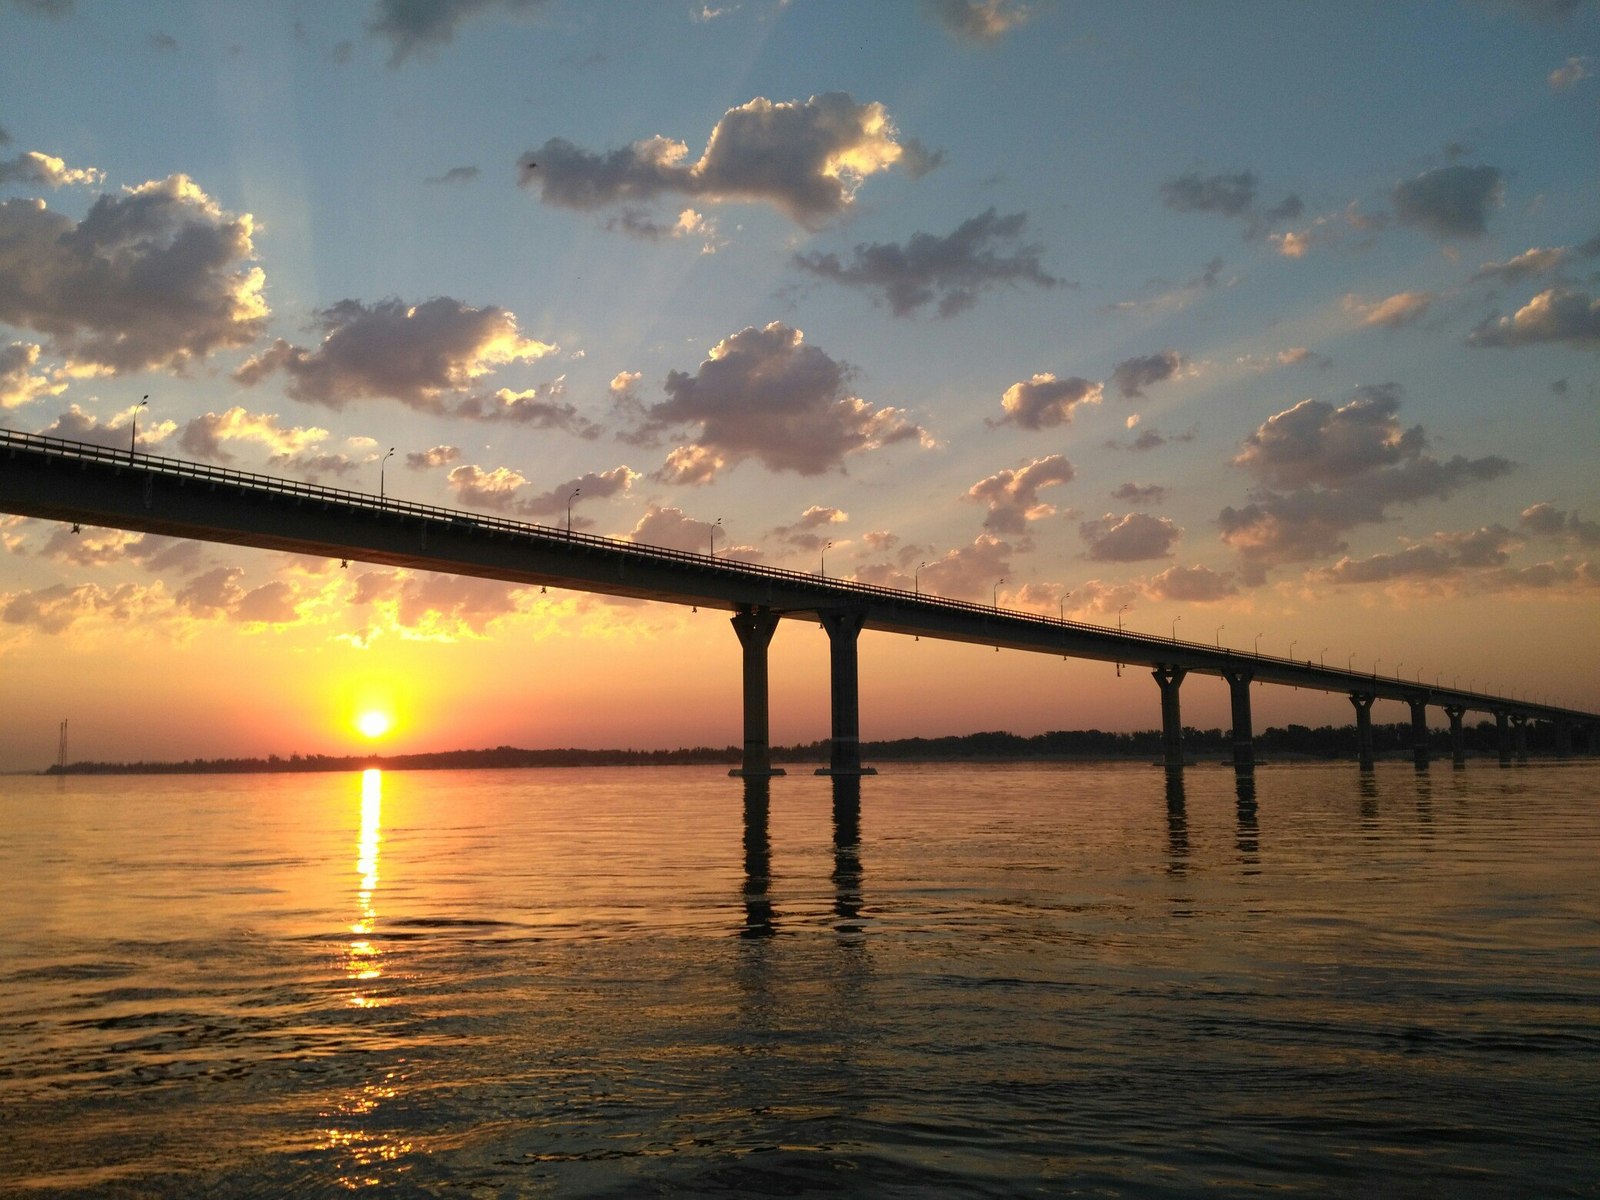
(373,724)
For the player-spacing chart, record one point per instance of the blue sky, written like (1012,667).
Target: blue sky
(1266,317)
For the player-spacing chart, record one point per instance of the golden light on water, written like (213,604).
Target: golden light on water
(362,962)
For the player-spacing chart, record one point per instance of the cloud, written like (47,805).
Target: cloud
(1327,470)
(500,490)
(45,170)
(978,20)
(1140,493)
(1134,537)
(75,425)
(953,270)
(1193,585)
(689,224)
(152,278)
(438,456)
(414,353)
(1398,310)
(1546,520)
(805,158)
(420,27)
(1228,195)
(57,608)
(1449,202)
(1132,375)
(203,436)
(162,41)
(1569,73)
(1294,356)
(802,534)
(537,408)
(968,571)
(1013,495)
(455,175)
(18,385)
(1176,298)
(1530,263)
(1150,439)
(672,528)
(1044,401)
(1555,315)
(765,394)
(1476,561)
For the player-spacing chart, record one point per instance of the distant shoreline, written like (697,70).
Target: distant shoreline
(1294,743)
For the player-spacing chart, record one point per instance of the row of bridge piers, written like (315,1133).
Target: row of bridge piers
(756,625)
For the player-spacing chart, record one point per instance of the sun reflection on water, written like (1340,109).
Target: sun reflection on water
(363,964)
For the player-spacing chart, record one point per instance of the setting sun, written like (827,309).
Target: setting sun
(373,724)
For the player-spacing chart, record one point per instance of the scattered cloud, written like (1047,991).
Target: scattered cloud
(804,535)
(437,456)
(1555,315)
(1326,470)
(425,606)
(689,224)
(203,436)
(672,528)
(1150,439)
(968,571)
(1175,298)
(1449,202)
(1012,496)
(162,42)
(500,490)
(1133,537)
(18,383)
(1569,73)
(978,20)
(1539,260)
(1132,375)
(44,170)
(952,270)
(75,425)
(420,27)
(1044,401)
(1546,520)
(539,407)
(151,278)
(414,353)
(55,609)
(455,175)
(765,394)
(1192,585)
(1228,194)
(1140,493)
(806,158)
(1295,356)
(1392,313)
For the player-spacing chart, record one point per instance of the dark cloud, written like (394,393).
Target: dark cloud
(954,270)
(803,535)
(455,175)
(1546,520)
(57,608)
(1449,202)
(1013,495)
(163,42)
(1044,401)
(1527,265)
(1133,537)
(1228,195)
(204,435)
(1150,439)
(1140,493)
(1555,315)
(805,158)
(421,26)
(154,277)
(44,170)
(978,20)
(501,488)
(537,408)
(967,571)
(765,394)
(1327,470)
(414,353)
(1132,375)
(437,456)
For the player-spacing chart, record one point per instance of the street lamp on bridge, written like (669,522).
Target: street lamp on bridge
(382,463)
(916,580)
(1120,611)
(133,428)
(994,594)
(716,526)
(1220,628)
(1175,621)
(822,562)
(575,493)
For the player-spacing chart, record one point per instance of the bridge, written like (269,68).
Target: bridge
(82,483)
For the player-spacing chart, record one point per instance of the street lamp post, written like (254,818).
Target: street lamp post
(382,463)
(714,528)
(1220,628)
(1292,645)
(822,567)
(994,594)
(133,428)
(570,499)
(1322,659)
(1258,645)
(1397,667)
(1120,611)
(1175,621)
(916,580)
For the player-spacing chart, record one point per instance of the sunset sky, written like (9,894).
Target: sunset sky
(1246,320)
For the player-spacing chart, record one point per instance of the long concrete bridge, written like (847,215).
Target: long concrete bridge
(81,483)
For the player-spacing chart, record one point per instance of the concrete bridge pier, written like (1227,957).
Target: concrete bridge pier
(1244,748)
(1458,735)
(844,745)
(1419,733)
(1363,703)
(1563,738)
(755,627)
(1519,730)
(1502,736)
(1168,679)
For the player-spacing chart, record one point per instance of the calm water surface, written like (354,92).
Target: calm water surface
(1024,980)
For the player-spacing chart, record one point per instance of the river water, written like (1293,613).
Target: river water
(959,981)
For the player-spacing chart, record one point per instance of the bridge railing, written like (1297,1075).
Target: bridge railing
(733,568)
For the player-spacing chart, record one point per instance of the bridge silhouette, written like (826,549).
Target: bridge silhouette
(83,483)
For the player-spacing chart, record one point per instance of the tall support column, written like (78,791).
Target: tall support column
(1458,735)
(1419,733)
(755,627)
(1502,736)
(1167,679)
(1519,730)
(1563,738)
(1363,703)
(1244,748)
(844,744)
